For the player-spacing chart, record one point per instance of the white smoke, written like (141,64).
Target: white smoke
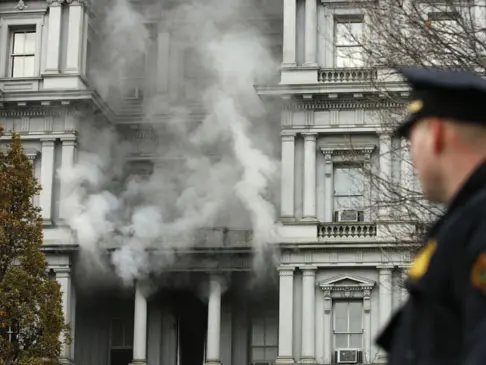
(208,172)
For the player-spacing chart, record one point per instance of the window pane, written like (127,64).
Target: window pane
(349,57)
(341,341)
(258,354)
(29,43)
(258,334)
(18,43)
(18,67)
(340,317)
(271,353)
(271,331)
(355,317)
(348,181)
(348,34)
(29,66)
(355,341)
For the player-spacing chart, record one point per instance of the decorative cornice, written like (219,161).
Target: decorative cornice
(39,112)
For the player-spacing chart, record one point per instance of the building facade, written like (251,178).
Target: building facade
(340,263)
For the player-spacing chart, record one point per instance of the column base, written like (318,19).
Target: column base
(66,361)
(310,219)
(284,360)
(212,362)
(138,362)
(308,360)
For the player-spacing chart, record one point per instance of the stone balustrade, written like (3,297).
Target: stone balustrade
(346,230)
(347,75)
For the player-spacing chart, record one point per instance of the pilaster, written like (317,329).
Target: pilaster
(68,294)
(47,178)
(288,177)
(75,36)
(328,186)
(285,326)
(311,33)
(289,33)
(68,159)
(310,177)
(385,292)
(53,36)
(385,175)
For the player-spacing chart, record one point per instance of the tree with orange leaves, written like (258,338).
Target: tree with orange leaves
(31,318)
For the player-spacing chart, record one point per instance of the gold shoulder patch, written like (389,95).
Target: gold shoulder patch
(420,265)
(415,106)
(478,272)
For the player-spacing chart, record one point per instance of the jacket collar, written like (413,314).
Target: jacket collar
(474,184)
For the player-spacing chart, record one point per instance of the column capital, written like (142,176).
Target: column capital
(288,137)
(308,270)
(54,2)
(77,2)
(311,137)
(385,268)
(69,141)
(286,270)
(48,141)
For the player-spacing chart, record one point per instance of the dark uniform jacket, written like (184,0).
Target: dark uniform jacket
(444,320)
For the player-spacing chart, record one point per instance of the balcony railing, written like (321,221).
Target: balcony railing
(346,230)
(347,75)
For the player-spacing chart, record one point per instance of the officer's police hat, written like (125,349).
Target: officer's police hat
(457,95)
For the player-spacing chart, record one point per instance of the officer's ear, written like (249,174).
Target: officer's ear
(436,132)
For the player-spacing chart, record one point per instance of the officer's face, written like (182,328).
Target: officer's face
(425,151)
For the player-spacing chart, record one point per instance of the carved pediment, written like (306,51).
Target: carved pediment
(347,281)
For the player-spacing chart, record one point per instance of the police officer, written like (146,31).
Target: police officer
(444,320)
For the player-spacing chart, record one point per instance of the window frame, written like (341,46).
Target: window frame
(348,19)
(10,23)
(12,55)
(362,196)
(348,332)
(259,315)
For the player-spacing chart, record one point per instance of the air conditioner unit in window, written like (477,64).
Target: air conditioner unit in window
(348,356)
(348,215)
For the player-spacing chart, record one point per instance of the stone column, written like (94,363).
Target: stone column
(310,33)
(53,36)
(385,293)
(328,187)
(288,176)
(403,279)
(286,315)
(310,176)
(68,293)
(308,354)
(68,159)
(289,32)
(385,175)
(47,179)
(75,36)
(140,328)
(213,353)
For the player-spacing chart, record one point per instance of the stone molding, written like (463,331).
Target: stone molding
(340,104)
(347,286)
(339,153)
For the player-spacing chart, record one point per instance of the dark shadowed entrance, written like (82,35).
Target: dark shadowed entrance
(191,314)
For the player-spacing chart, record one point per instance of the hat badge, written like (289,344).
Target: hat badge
(415,106)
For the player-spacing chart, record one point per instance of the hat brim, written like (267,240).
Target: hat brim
(403,130)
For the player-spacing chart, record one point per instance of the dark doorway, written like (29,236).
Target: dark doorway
(191,316)
(121,356)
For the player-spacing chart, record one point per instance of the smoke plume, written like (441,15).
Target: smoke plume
(211,170)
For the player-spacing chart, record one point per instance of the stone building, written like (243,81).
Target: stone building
(338,278)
